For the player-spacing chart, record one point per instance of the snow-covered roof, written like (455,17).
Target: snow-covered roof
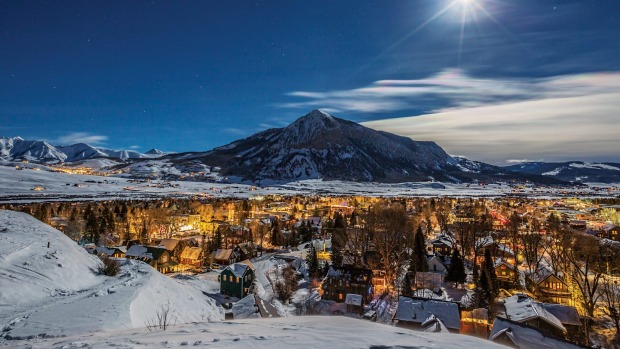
(419,310)
(138,251)
(238,269)
(222,254)
(169,244)
(566,314)
(353,299)
(191,253)
(526,337)
(443,239)
(521,308)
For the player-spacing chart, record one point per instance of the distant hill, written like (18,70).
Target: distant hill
(572,171)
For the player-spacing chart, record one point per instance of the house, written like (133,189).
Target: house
(354,304)
(430,314)
(506,273)
(225,256)
(191,256)
(344,280)
(236,280)
(523,309)
(612,232)
(115,252)
(443,244)
(246,250)
(569,317)
(174,246)
(438,263)
(428,280)
(158,258)
(521,336)
(497,250)
(551,288)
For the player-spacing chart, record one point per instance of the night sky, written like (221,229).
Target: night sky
(194,75)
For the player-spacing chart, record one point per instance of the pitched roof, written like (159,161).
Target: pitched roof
(419,310)
(191,253)
(249,264)
(566,314)
(521,308)
(238,269)
(222,254)
(527,337)
(169,244)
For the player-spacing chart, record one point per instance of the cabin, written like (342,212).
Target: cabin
(506,274)
(192,256)
(114,252)
(225,256)
(611,232)
(522,336)
(237,279)
(551,288)
(344,280)
(428,314)
(246,250)
(158,258)
(569,317)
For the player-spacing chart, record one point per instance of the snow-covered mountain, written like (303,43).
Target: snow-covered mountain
(319,145)
(573,171)
(17,148)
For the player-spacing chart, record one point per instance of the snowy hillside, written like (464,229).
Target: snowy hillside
(17,148)
(55,291)
(573,171)
(293,332)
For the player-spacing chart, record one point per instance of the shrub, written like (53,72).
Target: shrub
(110,266)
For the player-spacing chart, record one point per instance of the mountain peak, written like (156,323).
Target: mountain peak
(155,151)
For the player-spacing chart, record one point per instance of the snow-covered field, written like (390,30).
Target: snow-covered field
(18,186)
(294,332)
(55,291)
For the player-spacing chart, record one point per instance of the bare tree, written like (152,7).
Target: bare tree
(611,300)
(356,246)
(391,235)
(163,318)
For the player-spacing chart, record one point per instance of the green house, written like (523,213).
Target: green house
(237,279)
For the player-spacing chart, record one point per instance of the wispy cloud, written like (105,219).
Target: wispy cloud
(554,129)
(451,89)
(134,147)
(235,131)
(81,137)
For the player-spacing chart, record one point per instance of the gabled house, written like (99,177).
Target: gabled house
(523,309)
(443,244)
(521,336)
(430,314)
(246,250)
(506,273)
(551,288)
(438,263)
(174,247)
(158,258)
(225,256)
(115,252)
(192,256)
(236,280)
(344,280)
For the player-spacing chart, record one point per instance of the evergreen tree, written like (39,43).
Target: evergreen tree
(489,268)
(456,271)
(418,258)
(312,260)
(483,296)
(406,285)
(338,239)
(218,240)
(326,267)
